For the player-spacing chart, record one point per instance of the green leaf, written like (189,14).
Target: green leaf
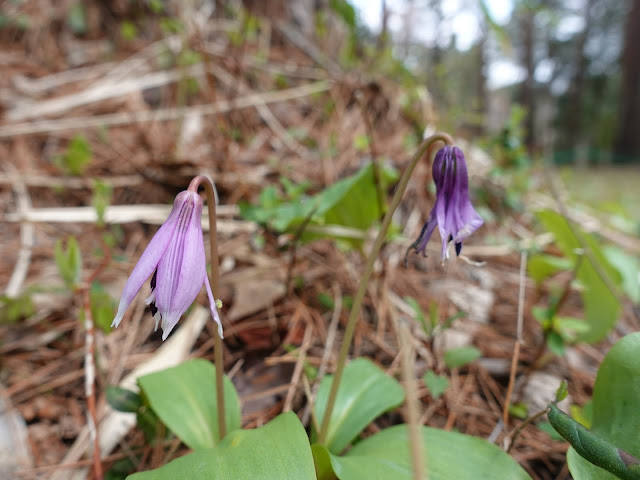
(562,391)
(519,410)
(128,30)
(361,143)
(101,199)
(103,307)
(76,158)
(437,384)
(351,202)
(448,455)
(582,414)
(540,267)
(365,393)
(598,452)
(600,305)
(69,262)
(279,450)
(458,357)
(184,397)
(419,314)
(13,309)
(123,400)
(569,327)
(345,10)
(547,428)
(322,460)
(615,406)
(628,267)
(555,342)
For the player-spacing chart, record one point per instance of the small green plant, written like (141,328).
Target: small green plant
(69,262)
(76,158)
(101,199)
(13,309)
(103,307)
(590,272)
(351,202)
(128,30)
(437,384)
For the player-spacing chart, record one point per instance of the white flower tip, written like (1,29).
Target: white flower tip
(117,320)
(220,330)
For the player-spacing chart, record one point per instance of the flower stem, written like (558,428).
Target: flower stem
(368,269)
(215,288)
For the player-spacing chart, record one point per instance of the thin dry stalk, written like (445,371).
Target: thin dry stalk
(517,344)
(297,371)
(89,364)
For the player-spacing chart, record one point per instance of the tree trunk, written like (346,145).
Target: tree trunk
(527,92)
(576,90)
(481,81)
(628,141)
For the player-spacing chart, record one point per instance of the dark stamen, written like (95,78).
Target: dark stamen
(153,280)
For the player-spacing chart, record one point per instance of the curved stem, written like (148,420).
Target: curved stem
(215,288)
(368,269)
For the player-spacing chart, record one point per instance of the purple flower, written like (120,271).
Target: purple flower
(453,213)
(175,257)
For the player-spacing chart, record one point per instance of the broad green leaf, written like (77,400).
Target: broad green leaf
(600,305)
(541,267)
(184,397)
(351,202)
(437,384)
(365,393)
(628,267)
(615,414)
(355,202)
(447,455)
(458,357)
(279,450)
(582,414)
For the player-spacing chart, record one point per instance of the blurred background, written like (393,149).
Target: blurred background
(304,112)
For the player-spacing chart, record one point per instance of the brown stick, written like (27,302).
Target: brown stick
(518,342)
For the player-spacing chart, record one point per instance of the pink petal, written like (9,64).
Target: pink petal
(148,261)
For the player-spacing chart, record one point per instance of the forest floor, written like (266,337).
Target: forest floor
(248,114)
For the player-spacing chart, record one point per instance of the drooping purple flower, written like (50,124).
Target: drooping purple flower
(452,213)
(176,262)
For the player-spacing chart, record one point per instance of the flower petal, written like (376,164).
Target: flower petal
(182,268)
(148,262)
